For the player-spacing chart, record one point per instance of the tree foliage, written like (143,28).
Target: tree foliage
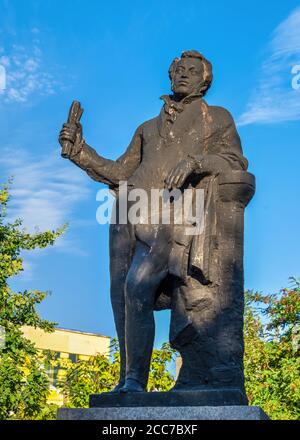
(272,347)
(23,381)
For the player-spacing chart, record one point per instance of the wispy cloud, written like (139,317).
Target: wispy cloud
(45,191)
(274,100)
(29,267)
(27,73)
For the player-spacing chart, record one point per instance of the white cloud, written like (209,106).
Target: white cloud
(35,30)
(28,270)
(274,99)
(26,73)
(45,191)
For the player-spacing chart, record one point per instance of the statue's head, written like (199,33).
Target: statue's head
(191,73)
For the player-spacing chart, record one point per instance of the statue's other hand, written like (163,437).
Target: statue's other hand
(71,133)
(180,173)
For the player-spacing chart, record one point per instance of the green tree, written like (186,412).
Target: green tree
(23,381)
(272,346)
(100,374)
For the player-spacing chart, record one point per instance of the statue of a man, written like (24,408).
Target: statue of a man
(152,266)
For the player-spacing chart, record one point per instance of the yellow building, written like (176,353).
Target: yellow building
(66,344)
(178,363)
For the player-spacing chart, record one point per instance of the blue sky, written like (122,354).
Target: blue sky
(114,58)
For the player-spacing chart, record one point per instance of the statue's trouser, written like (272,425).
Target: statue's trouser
(120,257)
(148,269)
(134,311)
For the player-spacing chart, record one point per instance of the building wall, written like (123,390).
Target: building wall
(68,341)
(66,344)
(178,363)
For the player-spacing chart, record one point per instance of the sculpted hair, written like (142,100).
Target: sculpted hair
(207,69)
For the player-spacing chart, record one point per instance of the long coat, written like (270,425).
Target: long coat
(189,128)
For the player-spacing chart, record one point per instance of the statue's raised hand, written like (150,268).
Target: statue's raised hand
(70,137)
(71,140)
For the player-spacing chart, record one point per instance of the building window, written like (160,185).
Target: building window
(73,357)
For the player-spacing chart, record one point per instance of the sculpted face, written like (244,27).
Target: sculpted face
(188,76)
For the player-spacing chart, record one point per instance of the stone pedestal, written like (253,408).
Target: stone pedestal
(164,413)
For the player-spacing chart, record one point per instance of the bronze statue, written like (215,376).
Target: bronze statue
(154,267)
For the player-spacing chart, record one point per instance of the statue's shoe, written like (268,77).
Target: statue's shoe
(132,386)
(118,387)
